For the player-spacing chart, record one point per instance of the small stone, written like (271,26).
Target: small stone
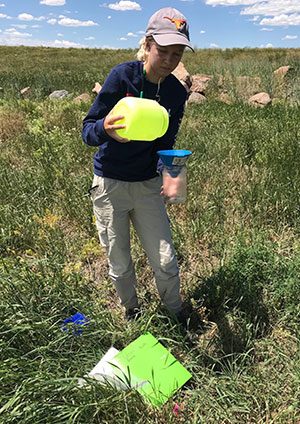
(59,94)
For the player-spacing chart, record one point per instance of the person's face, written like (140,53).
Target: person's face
(162,60)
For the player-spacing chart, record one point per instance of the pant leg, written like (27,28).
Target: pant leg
(151,222)
(111,204)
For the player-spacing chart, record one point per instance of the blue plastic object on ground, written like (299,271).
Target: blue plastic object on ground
(75,323)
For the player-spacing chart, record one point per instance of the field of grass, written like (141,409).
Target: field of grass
(46,69)
(236,238)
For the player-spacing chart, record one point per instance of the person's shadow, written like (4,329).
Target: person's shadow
(229,306)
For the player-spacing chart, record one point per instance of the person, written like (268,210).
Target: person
(127,183)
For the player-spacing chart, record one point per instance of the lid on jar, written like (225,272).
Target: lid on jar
(174,157)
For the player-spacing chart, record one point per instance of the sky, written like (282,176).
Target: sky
(223,24)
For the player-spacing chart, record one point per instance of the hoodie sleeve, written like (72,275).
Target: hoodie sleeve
(93,132)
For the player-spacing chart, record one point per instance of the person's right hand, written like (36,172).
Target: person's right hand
(110,127)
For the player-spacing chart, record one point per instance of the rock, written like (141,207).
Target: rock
(279,82)
(184,77)
(260,99)
(97,88)
(200,82)
(185,86)
(83,97)
(26,92)
(59,94)
(282,71)
(196,98)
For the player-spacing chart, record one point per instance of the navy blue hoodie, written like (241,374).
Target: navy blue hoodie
(135,160)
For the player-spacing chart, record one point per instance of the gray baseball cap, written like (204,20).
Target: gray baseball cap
(168,26)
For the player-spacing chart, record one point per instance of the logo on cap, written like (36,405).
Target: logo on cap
(177,22)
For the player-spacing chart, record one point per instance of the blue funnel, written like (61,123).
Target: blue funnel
(174,157)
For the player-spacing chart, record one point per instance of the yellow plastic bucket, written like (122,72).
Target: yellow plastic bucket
(145,119)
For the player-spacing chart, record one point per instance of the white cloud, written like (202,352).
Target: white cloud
(106,46)
(21,26)
(2,15)
(125,5)
(266,29)
(52,21)
(59,34)
(14,38)
(266,46)
(53,2)
(89,38)
(25,17)
(2,5)
(12,32)
(260,7)
(109,17)
(131,34)
(231,2)
(75,23)
(202,31)
(290,37)
(275,12)
(65,43)
(273,8)
(36,26)
(214,46)
(123,39)
(282,20)
(254,19)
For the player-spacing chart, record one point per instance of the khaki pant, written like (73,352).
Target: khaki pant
(115,204)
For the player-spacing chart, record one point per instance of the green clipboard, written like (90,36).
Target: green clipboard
(147,366)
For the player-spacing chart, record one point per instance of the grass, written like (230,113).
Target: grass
(77,70)
(236,239)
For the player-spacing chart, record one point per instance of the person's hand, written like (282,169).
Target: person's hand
(162,193)
(110,127)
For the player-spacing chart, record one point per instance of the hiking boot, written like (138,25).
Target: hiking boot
(180,317)
(133,314)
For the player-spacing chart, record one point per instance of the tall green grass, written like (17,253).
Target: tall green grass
(46,69)
(236,239)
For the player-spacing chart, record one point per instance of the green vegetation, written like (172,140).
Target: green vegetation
(236,237)
(47,69)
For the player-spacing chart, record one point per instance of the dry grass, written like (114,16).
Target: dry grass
(12,124)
